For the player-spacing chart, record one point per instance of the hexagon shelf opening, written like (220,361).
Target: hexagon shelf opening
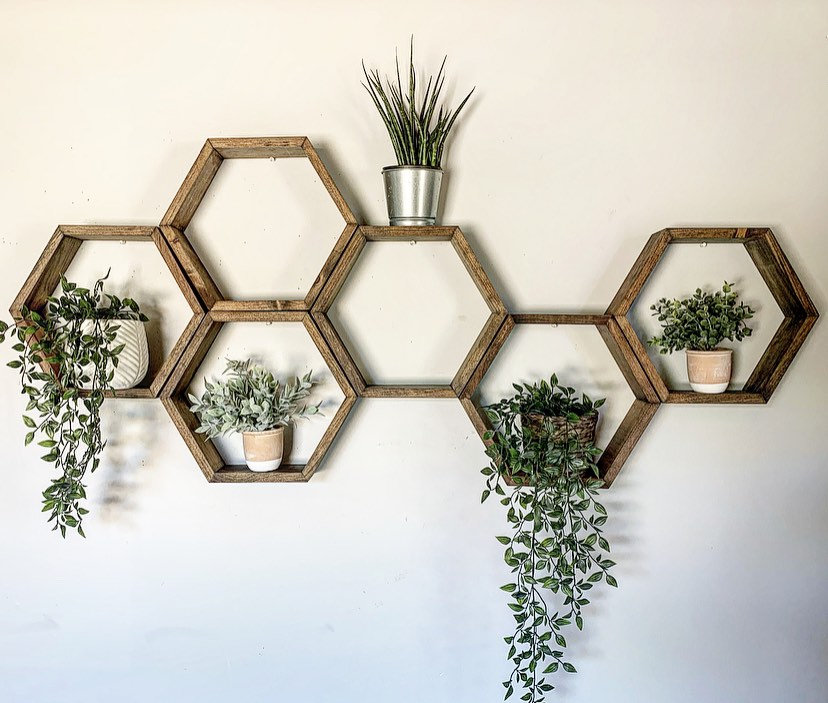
(361,238)
(193,190)
(637,418)
(204,451)
(799,312)
(58,256)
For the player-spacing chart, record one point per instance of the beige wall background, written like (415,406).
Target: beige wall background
(593,125)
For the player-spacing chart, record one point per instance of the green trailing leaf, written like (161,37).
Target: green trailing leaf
(56,357)
(554,551)
(418,134)
(701,321)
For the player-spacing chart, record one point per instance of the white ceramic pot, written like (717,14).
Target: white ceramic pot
(263,450)
(133,361)
(709,371)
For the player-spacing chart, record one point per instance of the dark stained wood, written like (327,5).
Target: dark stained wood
(627,362)
(798,309)
(407,234)
(408,391)
(328,182)
(361,236)
(734,397)
(623,442)
(89,233)
(259,147)
(206,289)
(195,186)
(477,273)
(58,256)
(477,352)
(204,451)
(642,268)
(779,355)
(780,276)
(191,193)
(644,406)
(560,319)
(45,276)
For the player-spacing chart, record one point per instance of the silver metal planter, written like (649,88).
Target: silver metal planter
(412,194)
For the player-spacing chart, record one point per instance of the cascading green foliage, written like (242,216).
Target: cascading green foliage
(556,549)
(701,321)
(56,357)
(417,133)
(251,399)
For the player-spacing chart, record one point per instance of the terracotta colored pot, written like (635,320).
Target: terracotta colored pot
(263,450)
(709,371)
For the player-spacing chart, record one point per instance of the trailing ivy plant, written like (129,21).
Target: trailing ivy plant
(701,321)
(57,356)
(251,399)
(556,549)
(417,133)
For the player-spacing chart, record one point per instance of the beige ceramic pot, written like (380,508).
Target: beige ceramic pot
(263,450)
(709,371)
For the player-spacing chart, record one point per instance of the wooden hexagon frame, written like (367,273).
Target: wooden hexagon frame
(497,311)
(194,188)
(639,415)
(55,261)
(799,312)
(203,450)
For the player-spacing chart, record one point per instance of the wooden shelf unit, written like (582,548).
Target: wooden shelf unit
(799,312)
(203,450)
(362,236)
(636,420)
(192,191)
(59,254)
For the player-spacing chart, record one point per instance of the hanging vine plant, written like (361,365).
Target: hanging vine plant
(67,357)
(542,442)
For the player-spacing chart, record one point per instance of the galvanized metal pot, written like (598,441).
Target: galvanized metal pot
(412,194)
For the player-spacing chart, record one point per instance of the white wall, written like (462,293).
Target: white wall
(593,125)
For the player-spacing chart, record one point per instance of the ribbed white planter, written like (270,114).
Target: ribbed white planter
(133,361)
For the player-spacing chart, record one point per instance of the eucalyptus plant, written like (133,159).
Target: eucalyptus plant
(417,133)
(58,355)
(251,399)
(556,549)
(701,321)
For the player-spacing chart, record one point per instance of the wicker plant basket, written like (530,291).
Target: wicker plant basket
(583,431)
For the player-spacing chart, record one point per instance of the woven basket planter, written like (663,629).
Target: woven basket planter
(561,428)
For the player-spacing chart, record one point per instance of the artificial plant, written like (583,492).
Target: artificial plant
(250,399)
(418,133)
(701,321)
(543,436)
(58,356)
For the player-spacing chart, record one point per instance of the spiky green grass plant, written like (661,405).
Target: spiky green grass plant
(418,127)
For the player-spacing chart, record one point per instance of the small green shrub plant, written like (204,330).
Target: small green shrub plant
(249,398)
(701,321)
(556,550)
(56,358)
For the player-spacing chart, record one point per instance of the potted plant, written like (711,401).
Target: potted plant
(542,441)
(418,129)
(252,401)
(698,324)
(81,345)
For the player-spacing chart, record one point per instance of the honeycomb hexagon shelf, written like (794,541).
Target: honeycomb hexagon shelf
(203,450)
(636,420)
(211,310)
(497,311)
(799,312)
(194,188)
(58,255)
